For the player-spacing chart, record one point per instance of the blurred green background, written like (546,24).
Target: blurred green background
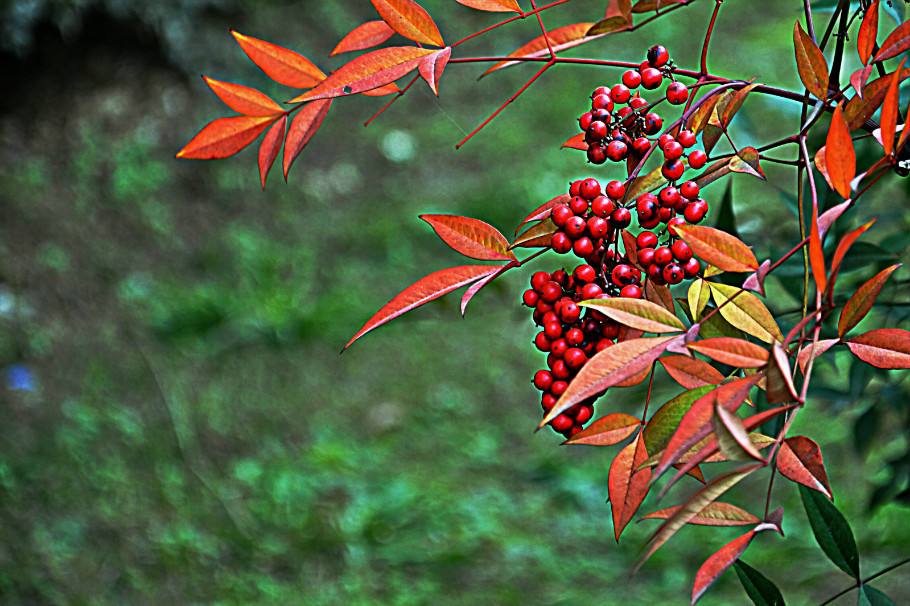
(178,424)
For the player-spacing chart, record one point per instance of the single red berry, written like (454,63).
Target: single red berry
(553,330)
(641,145)
(575,187)
(575,336)
(621,274)
(591,291)
(558,347)
(616,189)
(623,113)
(650,223)
(663,255)
(590,189)
(575,227)
(584,414)
(530,297)
(543,380)
(541,342)
(673,150)
(681,251)
(610,330)
(562,423)
(538,279)
(637,102)
(620,93)
(656,274)
(621,218)
(585,273)
(561,370)
(646,239)
(692,267)
(597,131)
(664,214)
(583,247)
(664,139)
(631,291)
(560,276)
(675,222)
(602,206)
(578,205)
(697,158)
(669,197)
(677,93)
(584,121)
(602,344)
(686,138)
(600,115)
(602,102)
(558,388)
(646,256)
(658,56)
(653,123)
(598,227)
(600,90)
(547,402)
(575,358)
(646,207)
(689,189)
(597,153)
(631,78)
(617,150)
(696,211)
(570,312)
(651,78)
(561,243)
(673,273)
(673,170)
(560,214)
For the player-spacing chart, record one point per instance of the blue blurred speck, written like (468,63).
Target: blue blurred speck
(19,378)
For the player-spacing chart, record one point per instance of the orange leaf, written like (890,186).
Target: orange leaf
(861,302)
(645,6)
(860,109)
(612,366)
(225,137)
(730,350)
(811,351)
(423,291)
(410,20)
(536,236)
(269,148)
(305,124)
(618,17)
(543,211)
(627,485)
(868,30)
(561,38)
(732,438)
(474,288)
(810,62)
(606,431)
(576,142)
(719,561)
(492,6)
(364,36)
(691,372)
(720,249)
(800,460)
(779,385)
(432,66)
(715,514)
(637,313)
(372,70)
(897,42)
(471,237)
(280,64)
(840,157)
(843,246)
(243,99)
(889,109)
(883,348)
(382,91)
(816,253)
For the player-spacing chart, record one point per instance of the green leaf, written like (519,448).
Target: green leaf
(870,596)
(726,219)
(665,421)
(831,530)
(761,590)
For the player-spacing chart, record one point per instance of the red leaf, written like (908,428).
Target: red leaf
(715,565)
(720,249)
(843,246)
(645,6)
(800,460)
(269,148)
(606,431)
(492,6)
(859,78)
(610,367)
(243,99)
(816,253)
(889,109)
(715,514)
(364,36)
(543,211)
(810,62)
(626,484)
(618,17)
(225,137)
(732,438)
(840,156)
(883,348)
(280,64)
(382,91)
(897,42)
(691,372)
(305,124)
(536,236)
(576,142)
(561,38)
(365,72)
(474,288)
(471,237)
(423,291)
(809,352)
(432,66)
(779,385)
(861,302)
(410,20)
(730,350)
(858,110)
(868,31)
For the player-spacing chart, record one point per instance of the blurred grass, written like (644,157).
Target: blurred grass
(193,435)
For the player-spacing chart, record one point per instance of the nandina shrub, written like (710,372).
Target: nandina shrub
(637,289)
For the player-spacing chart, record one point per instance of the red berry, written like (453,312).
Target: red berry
(631,78)
(673,150)
(602,102)
(664,214)
(538,279)
(651,78)
(624,113)
(697,158)
(663,255)
(560,277)
(603,344)
(602,206)
(583,415)
(600,90)
(686,138)
(622,274)
(547,401)
(653,123)
(575,358)
(570,312)
(561,370)
(559,388)
(560,214)
(610,330)
(675,222)
(584,121)
(600,115)
(598,227)
(542,342)
(550,292)
(616,189)
(673,273)
(597,131)
(689,189)
(621,218)
(530,297)
(641,145)
(656,274)
(553,330)
(561,423)
(590,189)
(646,207)
(597,153)
(696,211)
(681,251)
(617,150)
(583,247)
(673,170)
(631,291)
(658,56)
(646,256)
(637,102)
(585,273)
(559,347)
(677,93)
(591,291)
(651,223)
(669,197)
(575,227)
(646,239)
(692,267)
(543,380)
(620,93)
(575,336)
(664,139)
(578,205)
(575,187)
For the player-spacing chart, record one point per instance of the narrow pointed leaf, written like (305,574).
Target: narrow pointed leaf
(732,351)
(637,313)
(303,127)
(269,148)
(840,157)
(691,372)
(811,351)
(543,211)
(858,110)
(732,438)
(896,43)
(718,248)
(561,38)
(800,460)
(423,291)
(493,6)
(364,36)
(627,485)
(663,423)
(746,312)
(779,385)
(382,91)
(698,296)
(618,17)
(280,64)
(474,288)
(225,137)
(859,304)
(471,237)
(844,246)
(816,254)
(608,368)
(761,590)
(365,72)
(715,514)
(243,99)
(607,430)
(719,561)
(883,348)
(868,30)
(536,236)
(870,596)
(831,530)
(432,66)
(410,20)
(810,62)
(890,109)
(659,294)
(575,142)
